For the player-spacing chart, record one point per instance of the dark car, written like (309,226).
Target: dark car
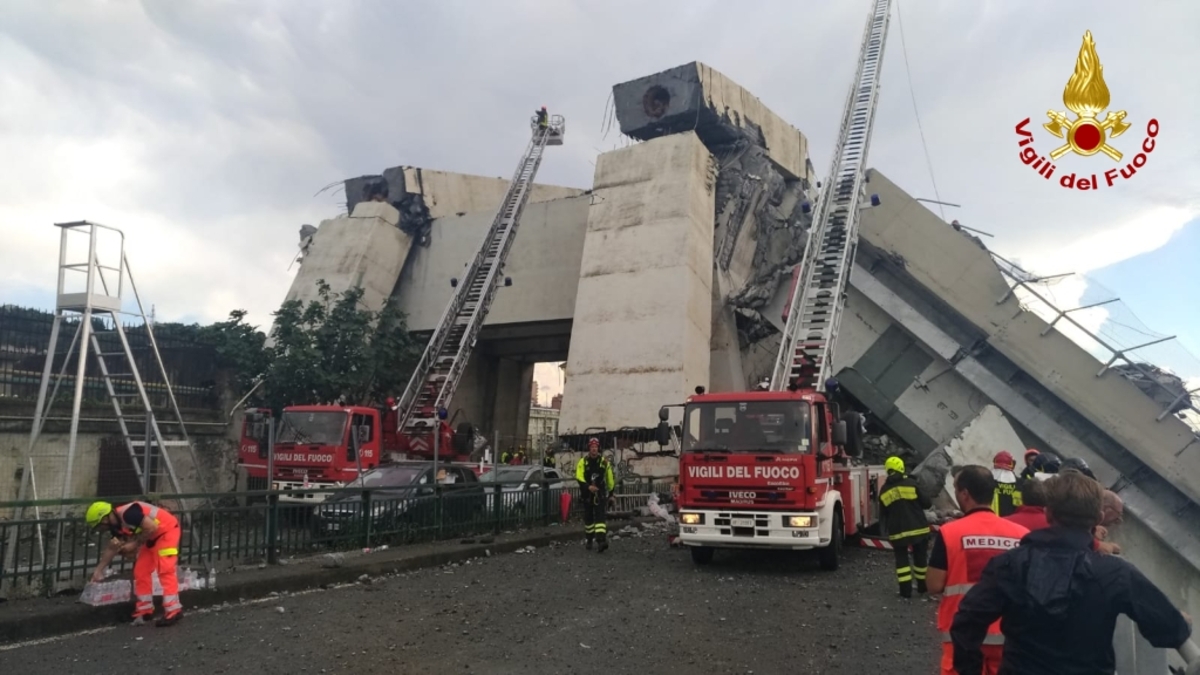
(404,502)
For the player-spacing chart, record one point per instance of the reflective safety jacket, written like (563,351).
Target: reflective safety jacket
(971,542)
(598,472)
(903,507)
(131,519)
(1007,496)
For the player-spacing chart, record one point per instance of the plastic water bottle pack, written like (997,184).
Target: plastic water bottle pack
(121,590)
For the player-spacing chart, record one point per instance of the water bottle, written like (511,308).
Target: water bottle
(106,593)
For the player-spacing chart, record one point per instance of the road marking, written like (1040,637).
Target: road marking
(204,610)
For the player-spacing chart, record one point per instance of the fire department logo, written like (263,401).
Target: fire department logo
(1085,96)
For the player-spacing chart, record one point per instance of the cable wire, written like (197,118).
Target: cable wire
(913,95)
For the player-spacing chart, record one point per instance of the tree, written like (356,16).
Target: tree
(336,349)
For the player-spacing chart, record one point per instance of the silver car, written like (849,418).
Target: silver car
(521,486)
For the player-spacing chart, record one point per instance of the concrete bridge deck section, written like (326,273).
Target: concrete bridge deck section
(695,97)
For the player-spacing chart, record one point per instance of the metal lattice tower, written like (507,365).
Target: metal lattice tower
(814,316)
(437,374)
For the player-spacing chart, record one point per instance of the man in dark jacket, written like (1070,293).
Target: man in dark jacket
(1058,600)
(904,517)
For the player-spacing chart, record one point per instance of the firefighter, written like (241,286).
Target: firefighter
(961,549)
(595,476)
(1031,463)
(1008,494)
(904,516)
(506,457)
(548,458)
(543,118)
(153,533)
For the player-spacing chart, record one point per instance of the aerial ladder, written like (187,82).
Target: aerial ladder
(814,312)
(422,408)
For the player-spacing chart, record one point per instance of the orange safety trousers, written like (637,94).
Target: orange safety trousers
(161,556)
(991,659)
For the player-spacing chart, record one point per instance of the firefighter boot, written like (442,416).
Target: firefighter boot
(588,545)
(603,544)
(169,620)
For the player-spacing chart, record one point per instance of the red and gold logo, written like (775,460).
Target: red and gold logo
(1086,95)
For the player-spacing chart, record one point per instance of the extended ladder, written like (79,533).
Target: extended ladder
(438,372)
(806,350)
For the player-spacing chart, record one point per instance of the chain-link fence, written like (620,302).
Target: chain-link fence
(1097,320)
(25,337)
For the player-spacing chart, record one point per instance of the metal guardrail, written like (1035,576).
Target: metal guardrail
(267,529)
(251,527)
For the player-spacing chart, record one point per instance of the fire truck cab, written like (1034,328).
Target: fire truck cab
(772,469)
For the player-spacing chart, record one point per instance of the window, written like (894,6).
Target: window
(313,428)
(822,430)
(747,426)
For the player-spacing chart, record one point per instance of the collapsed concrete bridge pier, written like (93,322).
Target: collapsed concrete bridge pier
(671,272)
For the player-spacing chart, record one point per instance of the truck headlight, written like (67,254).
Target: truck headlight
(691,518)
(798,521)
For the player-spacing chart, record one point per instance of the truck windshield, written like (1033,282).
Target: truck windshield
(313,428)
(747,426)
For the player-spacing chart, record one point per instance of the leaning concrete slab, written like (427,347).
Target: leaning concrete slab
(963,275)
(695,97)
(364,249)
(643,312)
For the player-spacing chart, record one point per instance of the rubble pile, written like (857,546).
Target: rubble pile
(878,447)
(1158,384)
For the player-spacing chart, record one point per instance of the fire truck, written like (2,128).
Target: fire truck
(329,445)
(779,468)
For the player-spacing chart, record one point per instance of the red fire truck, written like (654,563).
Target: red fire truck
(328,446)
(776,468)
(770,469)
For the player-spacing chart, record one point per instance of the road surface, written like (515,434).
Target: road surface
(640,607)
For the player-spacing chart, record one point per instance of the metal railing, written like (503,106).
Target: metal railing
(256,526)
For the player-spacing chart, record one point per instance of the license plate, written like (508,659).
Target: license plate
(741,522)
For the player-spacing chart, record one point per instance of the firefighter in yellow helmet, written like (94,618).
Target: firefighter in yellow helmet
(595,475)
(904,518)
(153,534)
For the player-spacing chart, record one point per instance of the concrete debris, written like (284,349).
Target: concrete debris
(878,447)
(280,610)
(527,549)
(333,560)
(1158,384)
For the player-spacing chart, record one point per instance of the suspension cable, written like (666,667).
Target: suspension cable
(912,94)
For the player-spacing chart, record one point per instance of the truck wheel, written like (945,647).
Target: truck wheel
(831,554)
(702,555)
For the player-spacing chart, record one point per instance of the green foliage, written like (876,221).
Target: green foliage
(239,347)
(336,349)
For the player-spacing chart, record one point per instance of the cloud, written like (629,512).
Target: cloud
(205,129)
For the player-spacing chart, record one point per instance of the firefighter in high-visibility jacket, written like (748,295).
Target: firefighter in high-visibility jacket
(595,476)
(153,533)
(904,517)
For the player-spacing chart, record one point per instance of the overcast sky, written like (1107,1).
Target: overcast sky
(206,129)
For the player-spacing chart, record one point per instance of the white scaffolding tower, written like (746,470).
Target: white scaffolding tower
(100,302)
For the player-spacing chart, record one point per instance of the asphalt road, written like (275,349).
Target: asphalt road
(640,607)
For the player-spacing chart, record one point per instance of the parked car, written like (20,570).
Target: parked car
(404,502)
(521,484)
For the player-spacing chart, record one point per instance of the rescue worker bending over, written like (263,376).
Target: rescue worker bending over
(595,476)
(904,516)
(1008,494)
(153,533)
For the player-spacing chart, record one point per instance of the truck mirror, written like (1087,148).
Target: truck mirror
(663,413)
(662,433)
(839,433)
